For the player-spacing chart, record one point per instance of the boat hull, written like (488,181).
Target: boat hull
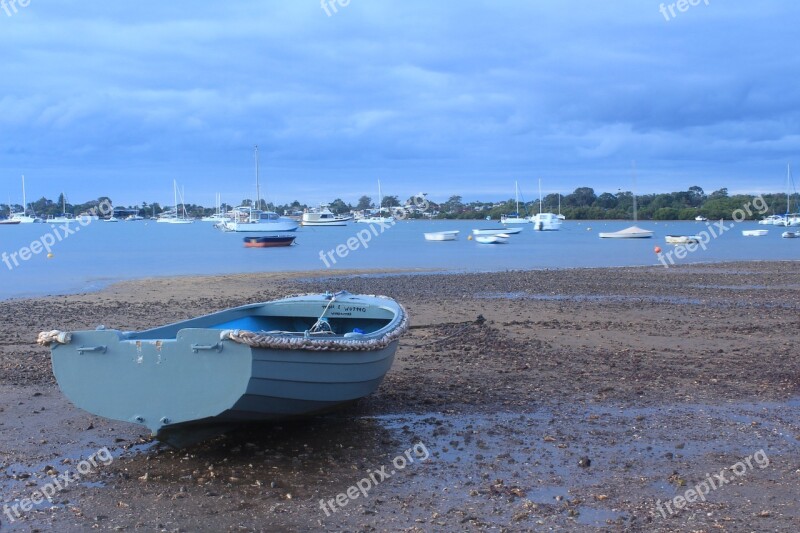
(263,227)
(341,222)
(441,236)
(634,232)
(682,239)
(755,232)
(268,242)
(196,372)
(497,231)
(491,239)
(546,222)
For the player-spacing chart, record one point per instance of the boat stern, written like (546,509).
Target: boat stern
(155,383)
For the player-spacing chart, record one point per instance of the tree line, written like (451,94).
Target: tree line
(581,204)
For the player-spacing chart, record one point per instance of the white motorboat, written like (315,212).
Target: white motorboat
(790,234)
(755,232)
(700,218)
(247,219)
(323,216)
(497,231)
(682,239)
(442,236)
(772,220)
(112,218)
(545,221)
(500,238)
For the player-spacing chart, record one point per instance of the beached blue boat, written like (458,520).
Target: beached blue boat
(292,357)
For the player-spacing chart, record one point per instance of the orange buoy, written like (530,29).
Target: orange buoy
(657,249)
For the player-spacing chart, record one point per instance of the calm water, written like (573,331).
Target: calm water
(105,252)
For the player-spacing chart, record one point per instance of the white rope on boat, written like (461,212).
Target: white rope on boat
(339,344)
(311,340)
(46,338)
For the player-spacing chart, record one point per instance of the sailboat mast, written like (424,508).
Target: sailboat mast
(24,200)
(788,187)
(258,185)
(380,200)
(175,195)
(516,195)
(540,196)
(633,164)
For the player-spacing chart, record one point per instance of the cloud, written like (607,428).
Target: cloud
(98,96)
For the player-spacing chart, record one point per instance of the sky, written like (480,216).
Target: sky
(443,97)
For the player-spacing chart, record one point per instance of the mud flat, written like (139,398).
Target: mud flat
(583,400)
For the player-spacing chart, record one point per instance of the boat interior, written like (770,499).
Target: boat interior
(266,319)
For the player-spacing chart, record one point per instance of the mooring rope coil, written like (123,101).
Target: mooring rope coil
(281,341)
(46,338)
(339,344)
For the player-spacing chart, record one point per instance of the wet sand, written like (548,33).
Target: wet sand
(584,398)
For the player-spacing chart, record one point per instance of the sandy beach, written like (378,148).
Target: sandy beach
(571,400)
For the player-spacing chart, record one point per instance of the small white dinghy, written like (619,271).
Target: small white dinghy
(755,232)
(442,236)
(497,231)
(682,239)
(791,234)
(500,238)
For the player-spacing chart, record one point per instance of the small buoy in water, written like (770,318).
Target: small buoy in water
(469,237)
(588,229)
(657,249)
(50,255)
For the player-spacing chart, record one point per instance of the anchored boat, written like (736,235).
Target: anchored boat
(451,235)
(682,239)
(269,241)
(500,238)
(292,357)
(754,232)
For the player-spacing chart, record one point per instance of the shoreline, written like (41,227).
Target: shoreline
(587,396)
(374,273)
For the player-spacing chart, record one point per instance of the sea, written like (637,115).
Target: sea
(90,257)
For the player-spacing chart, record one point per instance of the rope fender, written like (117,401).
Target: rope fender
(46,338)
(256,340)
